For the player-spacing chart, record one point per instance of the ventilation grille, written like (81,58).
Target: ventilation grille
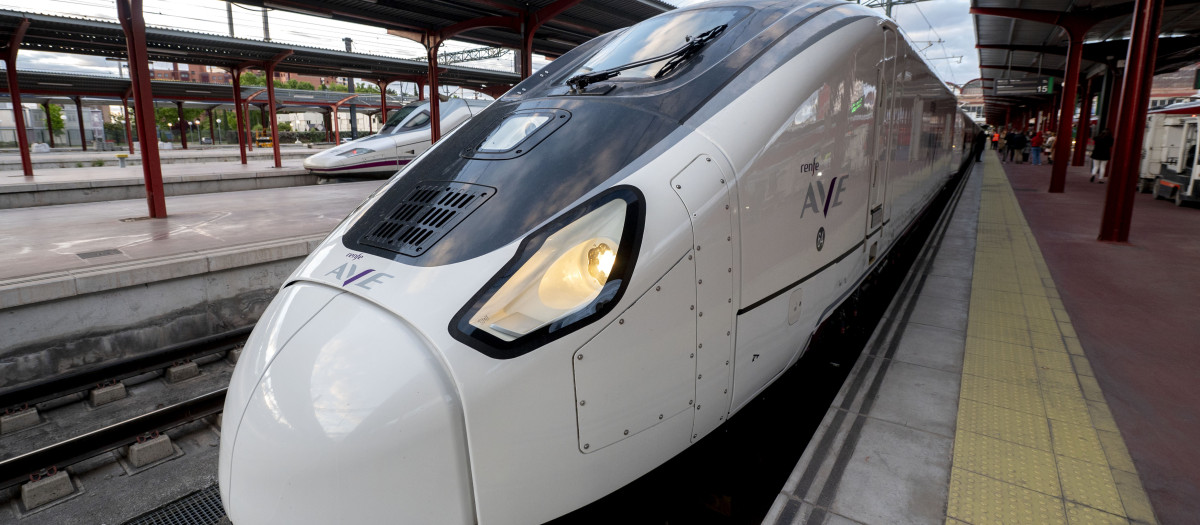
(199,508)
(425,215)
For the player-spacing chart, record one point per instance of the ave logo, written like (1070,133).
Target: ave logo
(820,198)
(348,274)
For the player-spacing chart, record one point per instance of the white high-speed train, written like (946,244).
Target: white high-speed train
(592,274)
(402,138)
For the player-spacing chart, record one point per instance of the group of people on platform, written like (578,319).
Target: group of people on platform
(1020,147)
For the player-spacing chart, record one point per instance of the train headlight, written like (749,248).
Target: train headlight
(354,152)
(564,276)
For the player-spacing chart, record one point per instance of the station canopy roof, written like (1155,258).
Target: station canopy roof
(98,38)
(39,87)
(578,23)
(1017,56)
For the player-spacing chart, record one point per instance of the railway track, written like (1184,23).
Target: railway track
(28,455)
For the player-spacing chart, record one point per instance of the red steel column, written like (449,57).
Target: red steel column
(1131,122)
(1062,145)
(271,104)
(129,12)
(14,94)
(1110,121)
(435,116)
(183,124)
(237,110)
(79,117)
(249,129)
(128,131)
(49,126)
(1085,125)
(383,102)
(528,28)
(420,91)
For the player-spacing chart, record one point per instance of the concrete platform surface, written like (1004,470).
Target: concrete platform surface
(68,157)
(974,402)
(1134,307)
(41,241)
(110,171)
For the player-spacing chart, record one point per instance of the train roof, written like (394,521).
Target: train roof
(1181,108)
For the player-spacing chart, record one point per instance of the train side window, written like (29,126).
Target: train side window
(395,117)
(420,120)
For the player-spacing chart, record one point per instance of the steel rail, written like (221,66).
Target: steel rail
(27,466)
(80,380)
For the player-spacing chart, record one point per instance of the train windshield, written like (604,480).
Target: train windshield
(396,117)
(657,36)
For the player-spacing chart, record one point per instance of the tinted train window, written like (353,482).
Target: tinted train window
(514,130)
(655,37)
(418,121)
(395,118)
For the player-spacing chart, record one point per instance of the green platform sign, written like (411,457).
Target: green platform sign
(1047,87)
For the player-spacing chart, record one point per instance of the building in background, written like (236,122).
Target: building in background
(1171,88)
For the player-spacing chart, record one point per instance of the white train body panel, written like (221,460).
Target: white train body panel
(403,137)
(719,278)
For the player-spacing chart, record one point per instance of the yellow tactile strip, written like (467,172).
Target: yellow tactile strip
(1035,441)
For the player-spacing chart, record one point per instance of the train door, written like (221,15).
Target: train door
(883,143)
(707,193)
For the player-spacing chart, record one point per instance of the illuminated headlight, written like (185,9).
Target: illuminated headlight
(564,276)
(354,152)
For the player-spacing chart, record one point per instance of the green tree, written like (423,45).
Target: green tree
(338,87)
(285,126)
(167,119)
(115,130)
(252,79)
(365,88)
(55,119)
(295,84)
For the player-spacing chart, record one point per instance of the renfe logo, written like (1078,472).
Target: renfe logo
(819,198)
(364,279)
(811,167)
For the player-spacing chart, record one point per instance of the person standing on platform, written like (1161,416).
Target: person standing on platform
(995,139)
(979,145)
(1016,143)
(1101,152)
(1048,145)
(1035,149)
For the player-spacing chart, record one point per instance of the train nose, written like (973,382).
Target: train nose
(354,420)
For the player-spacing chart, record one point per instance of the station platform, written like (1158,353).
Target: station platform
(89,282)
(74,185)
(1025,372)
(73,157)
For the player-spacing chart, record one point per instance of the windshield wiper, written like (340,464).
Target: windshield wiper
(677,57)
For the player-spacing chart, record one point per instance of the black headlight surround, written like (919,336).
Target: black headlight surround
(631,240)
